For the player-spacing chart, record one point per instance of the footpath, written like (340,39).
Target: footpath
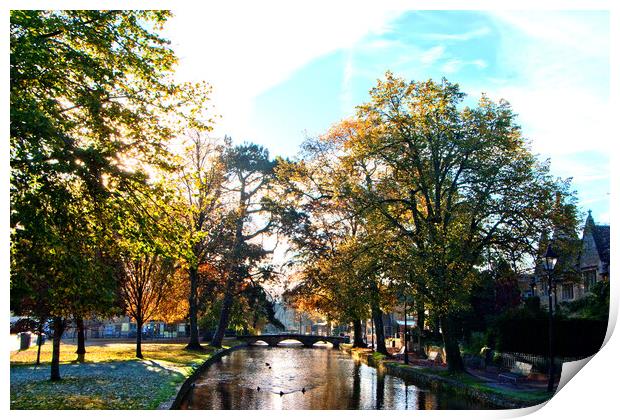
(483,385)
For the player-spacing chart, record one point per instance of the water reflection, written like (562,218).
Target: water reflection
(307,378)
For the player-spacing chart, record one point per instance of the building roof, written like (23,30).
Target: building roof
(601,235)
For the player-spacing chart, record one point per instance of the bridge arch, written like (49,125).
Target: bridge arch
(289,340)
(323,342)
(306,340)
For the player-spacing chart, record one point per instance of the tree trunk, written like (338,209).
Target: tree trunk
(358,334)
(139,340)
(372,333)
(40,342)
(435,326)
(194,342)
(81,346)
(380,391)
(224,316)
(59,327)
(355,400)
(377,316)
(234,273)
(421,320)
(453,353)
(254,322)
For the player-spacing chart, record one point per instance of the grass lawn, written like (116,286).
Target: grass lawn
(110,378)
(377,357)
(534,396)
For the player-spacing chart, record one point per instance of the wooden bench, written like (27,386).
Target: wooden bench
(519,372)
(435,357)
(400,354)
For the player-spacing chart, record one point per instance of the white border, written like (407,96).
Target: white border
(592,394)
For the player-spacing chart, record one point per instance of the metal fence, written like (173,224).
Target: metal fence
(539,363)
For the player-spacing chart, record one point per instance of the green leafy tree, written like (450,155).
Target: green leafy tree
(93,106)
(452,181)
(340,269)
(251,187)
(202,211)
(59,264)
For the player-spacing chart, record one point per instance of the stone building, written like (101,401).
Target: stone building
(123,327)
(594,258)
(576,274)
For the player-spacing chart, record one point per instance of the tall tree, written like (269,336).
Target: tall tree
(335,251)
(147,250)
(59,263)
(453,182)
(147,282)
(250,182)
(201,182)
(92,108)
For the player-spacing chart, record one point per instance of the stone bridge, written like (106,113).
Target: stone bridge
(306,340)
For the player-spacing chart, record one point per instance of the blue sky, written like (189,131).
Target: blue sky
(281,77)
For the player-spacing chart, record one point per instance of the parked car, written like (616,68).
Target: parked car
(23,325)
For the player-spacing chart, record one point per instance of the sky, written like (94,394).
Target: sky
(281,77)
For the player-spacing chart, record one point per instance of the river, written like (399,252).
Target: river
(257,377)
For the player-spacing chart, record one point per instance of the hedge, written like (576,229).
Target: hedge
(573,337)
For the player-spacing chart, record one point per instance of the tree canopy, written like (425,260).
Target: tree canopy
(416,195)
(93,110)
(443,186)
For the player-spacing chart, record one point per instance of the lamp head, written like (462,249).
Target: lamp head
(550,258)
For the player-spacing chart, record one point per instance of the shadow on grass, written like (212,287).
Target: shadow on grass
(115,352)
(114,385)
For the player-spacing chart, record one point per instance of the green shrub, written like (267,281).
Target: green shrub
(525,331)
(376,356)
(497,359)
(477,340)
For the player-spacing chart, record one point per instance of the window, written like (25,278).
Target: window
(567,291)
(589,278)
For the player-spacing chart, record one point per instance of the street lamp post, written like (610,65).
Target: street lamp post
(372,332)
(406,350)
(550,258)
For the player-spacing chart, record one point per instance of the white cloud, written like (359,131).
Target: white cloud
(481,64)
(560,28)
(558,67)
(381,44)
(559,122)
(453,65)
(245,50)
(346,96)
(431,55)
(465,36)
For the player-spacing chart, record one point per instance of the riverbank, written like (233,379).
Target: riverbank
(175,402)
(462,384)
(111,377)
